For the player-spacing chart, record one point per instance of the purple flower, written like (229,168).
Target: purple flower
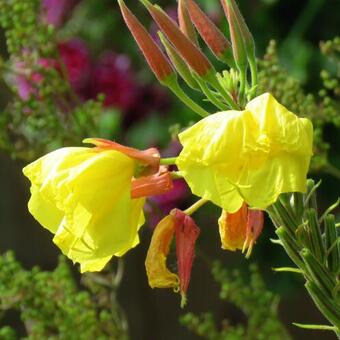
(113,77)
(55,12)
(77,60)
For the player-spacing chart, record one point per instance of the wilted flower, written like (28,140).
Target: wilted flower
(181,225)
(83,196)
(248,156)
(241,229)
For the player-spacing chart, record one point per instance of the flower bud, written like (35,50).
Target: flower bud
(157,61)
(185,23)
(180,65)
(190,53)
(237,39)
(212,36)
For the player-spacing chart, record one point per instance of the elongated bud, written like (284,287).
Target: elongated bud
(150,157)
(246,34)
(190,53)
(158,274)
(212,36)
(185,23)
(156,184)
(180,65)
(157,61)
(187,233)
(238,43)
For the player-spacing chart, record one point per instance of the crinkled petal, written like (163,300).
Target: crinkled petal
(252,155)
(84,196)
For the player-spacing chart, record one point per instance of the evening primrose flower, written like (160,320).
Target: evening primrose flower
(83,196)
(250,156)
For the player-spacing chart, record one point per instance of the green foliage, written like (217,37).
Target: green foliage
(312,243)
(322,109)
(53,115)
(52,306)
(249,295)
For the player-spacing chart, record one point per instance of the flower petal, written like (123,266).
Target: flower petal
(158,274)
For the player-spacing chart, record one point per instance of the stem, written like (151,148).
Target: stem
(176,89)
(176,175)
(195,206)
(253,72)
(242,85)
(210,95)
(168,161)
(215,83)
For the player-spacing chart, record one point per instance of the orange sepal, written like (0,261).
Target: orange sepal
(149,157)
(156,184)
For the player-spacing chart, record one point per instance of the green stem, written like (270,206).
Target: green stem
(253,72)
(176,89)
(210,95)
(226,96)
(242,85)
(168,161)
(176,175)
(195,206)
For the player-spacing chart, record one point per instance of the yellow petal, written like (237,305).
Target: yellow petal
(251,155)
(158,274)
(83,196)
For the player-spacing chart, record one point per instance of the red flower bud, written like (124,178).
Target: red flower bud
(185,23)
(157,61)
(213,37)
(190,53)
(237,39)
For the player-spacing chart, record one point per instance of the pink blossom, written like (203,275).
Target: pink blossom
(55,12)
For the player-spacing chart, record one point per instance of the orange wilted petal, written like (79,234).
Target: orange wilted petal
(156,184)
(159,64)
(254,228)
(210,33)
(158,274)
(185,24)
(233,228)
(187,233)
(190,53)
(149,157)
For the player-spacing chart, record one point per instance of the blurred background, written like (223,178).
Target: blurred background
(102,58)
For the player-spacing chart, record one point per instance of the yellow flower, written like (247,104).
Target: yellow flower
(83,196)
(252,155)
